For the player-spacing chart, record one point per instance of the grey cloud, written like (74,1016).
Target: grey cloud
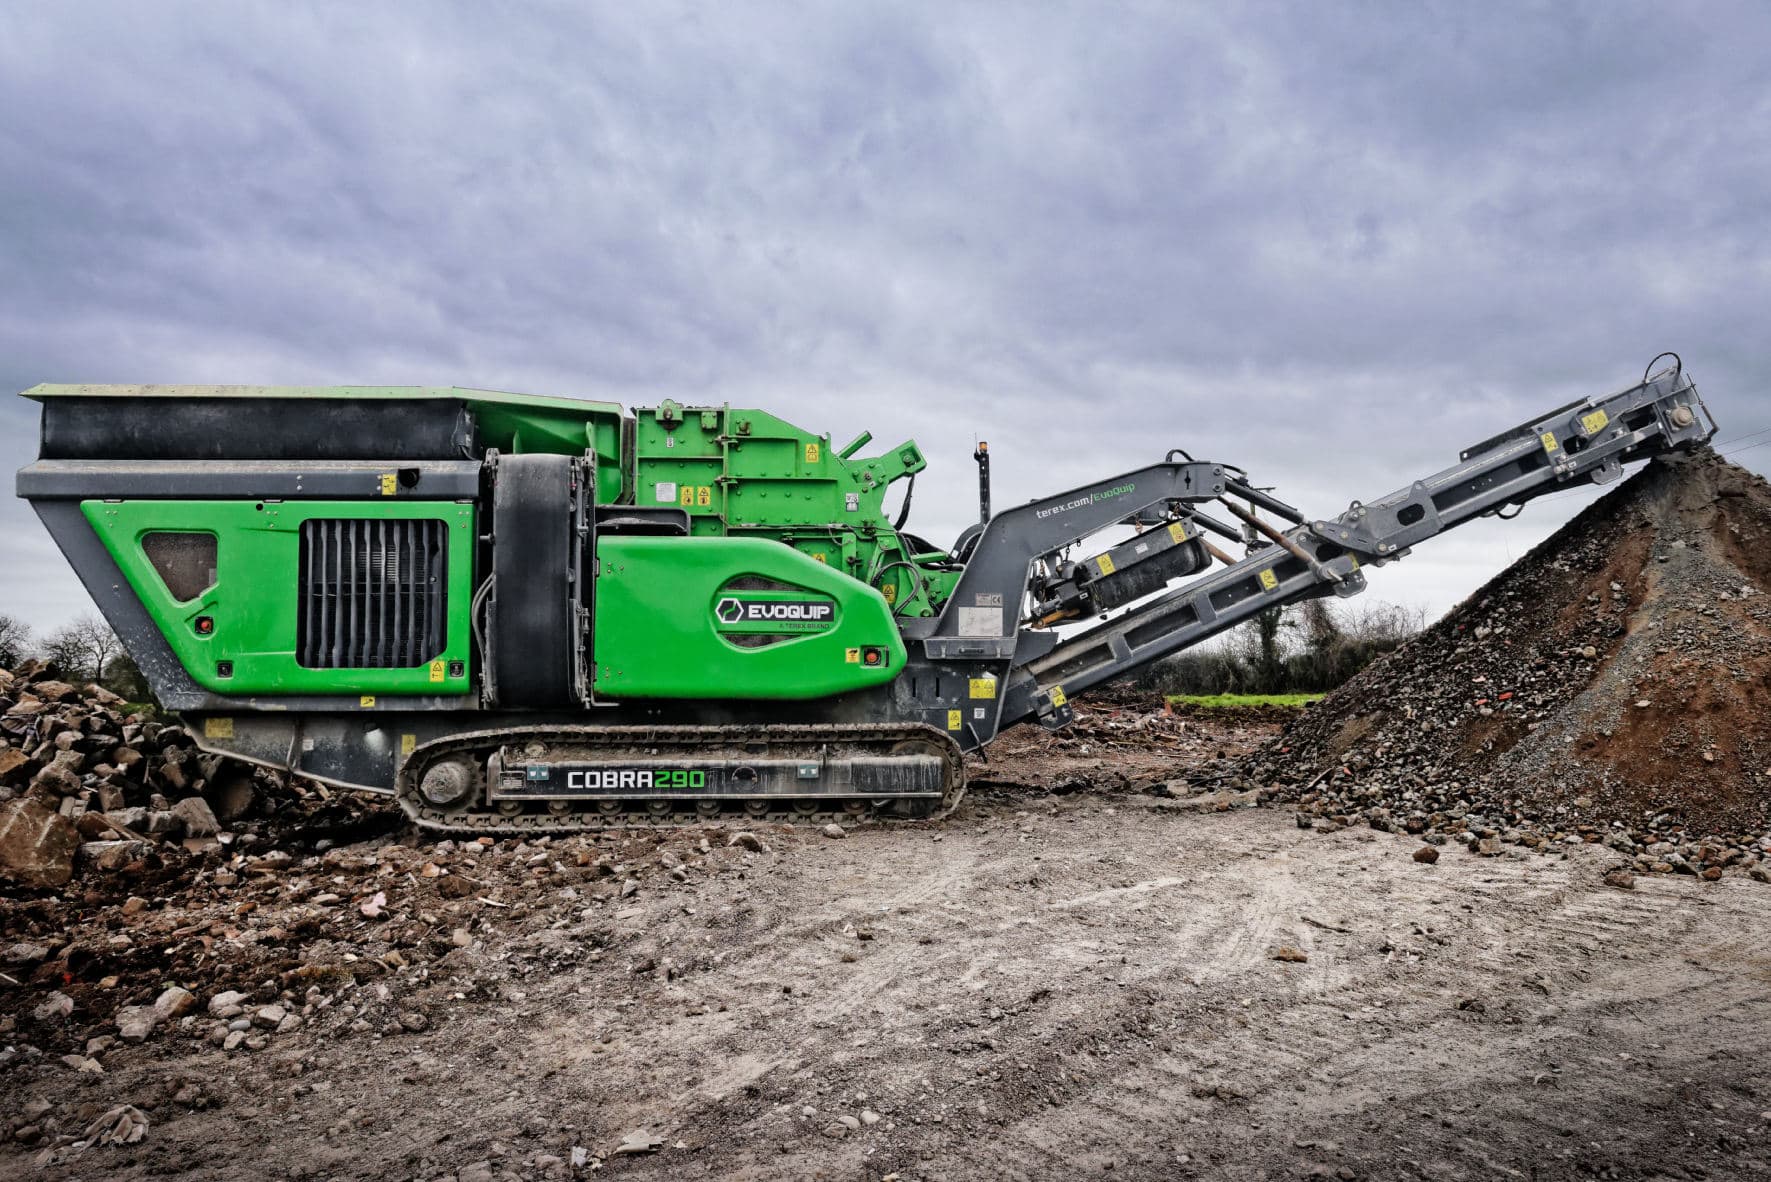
(1332,242)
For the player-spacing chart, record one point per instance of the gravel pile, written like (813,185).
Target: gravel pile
(1613,686)
(88,784)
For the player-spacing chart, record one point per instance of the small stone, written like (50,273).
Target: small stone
(135,1023)
(835,830)
(56,1006)
(37,844)
(234,1040)
(198,819)
(175,1003)
(1427,855)
(479,1171)
(638,1141)
(747,840)
(133,819)
(270,1017)
(113,855)
(1291,955)
(227,999)
(289,1023)
(164,822)
(232,799)
(1623,880)
(414,1021)
(869,1117)
(25,953)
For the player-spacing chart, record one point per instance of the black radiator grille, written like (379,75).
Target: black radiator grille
(374,594)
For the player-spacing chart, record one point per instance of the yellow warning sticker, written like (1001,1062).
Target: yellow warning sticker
(1594,423)
(1269,580)
(1549,441)
(954,718)
(983,687)
(1178,532)
(1058,698)
(703,496)
(389,484)
(852,655)
(820,557)
(890,591)
(812,453)
(408,743)
(686,496)
(218,728)
(1105,562)
(366,701)
(436,670)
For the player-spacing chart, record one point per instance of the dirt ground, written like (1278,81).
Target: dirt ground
(1053,982)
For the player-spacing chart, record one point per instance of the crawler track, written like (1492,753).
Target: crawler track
(817,803)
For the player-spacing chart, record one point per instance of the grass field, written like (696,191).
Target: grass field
(1215,700)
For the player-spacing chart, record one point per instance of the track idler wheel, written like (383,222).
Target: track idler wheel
(450,783)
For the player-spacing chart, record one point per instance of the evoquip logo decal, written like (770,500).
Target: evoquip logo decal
(738,612)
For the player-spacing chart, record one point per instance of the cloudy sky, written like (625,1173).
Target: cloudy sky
(1332,243)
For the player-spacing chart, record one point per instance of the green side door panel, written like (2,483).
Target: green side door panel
(721,618)
(238,634)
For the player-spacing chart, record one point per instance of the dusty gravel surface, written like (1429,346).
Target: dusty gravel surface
(1048,984)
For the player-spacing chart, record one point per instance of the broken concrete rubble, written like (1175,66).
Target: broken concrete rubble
(1605,689)
(87,788)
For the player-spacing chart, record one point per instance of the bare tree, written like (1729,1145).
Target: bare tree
(123,676)
(1321,628)
(83,648)
(15,641)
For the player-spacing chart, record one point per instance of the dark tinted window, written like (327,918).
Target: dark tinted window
(185,562)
